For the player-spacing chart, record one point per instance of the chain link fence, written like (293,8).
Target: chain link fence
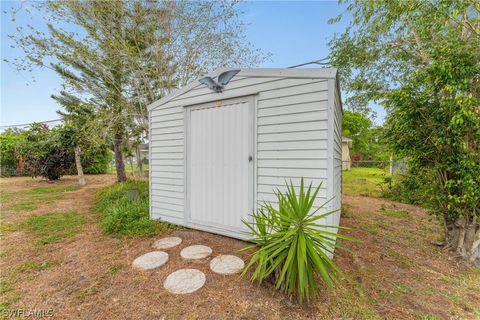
(391,166)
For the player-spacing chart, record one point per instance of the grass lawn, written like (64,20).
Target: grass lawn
(128,169)
(29,200)
(64,256)
(363,181)
(52,227)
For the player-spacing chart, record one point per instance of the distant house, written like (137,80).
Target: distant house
(346,161)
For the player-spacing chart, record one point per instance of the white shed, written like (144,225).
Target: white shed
(215,155)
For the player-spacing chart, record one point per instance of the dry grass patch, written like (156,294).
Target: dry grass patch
(394,273)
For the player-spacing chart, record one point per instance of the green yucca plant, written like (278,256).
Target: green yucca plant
(291,247)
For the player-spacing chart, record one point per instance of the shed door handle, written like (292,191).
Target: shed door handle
(250,158)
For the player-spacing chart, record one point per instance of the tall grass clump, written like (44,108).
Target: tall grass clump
(291,246)
(124,215)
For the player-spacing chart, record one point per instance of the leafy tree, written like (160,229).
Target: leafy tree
(367,140)
(356,126)
(76,132)
(81,133)
(96,159)
(69,136)
(121,56)
(378,148)
(420,59)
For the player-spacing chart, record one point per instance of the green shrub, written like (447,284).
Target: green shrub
(122,216)
(411,187)
(10,141)
(44,152)
(40,151)
(96,160)
(291,247)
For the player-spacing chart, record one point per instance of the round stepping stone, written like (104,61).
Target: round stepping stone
(227,264)
(167,243)
(151,260)
(196,252)
(184,281)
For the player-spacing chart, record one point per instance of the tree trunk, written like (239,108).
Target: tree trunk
(139,160)
(463,236)
(119,164)
(78,164)
(130,160)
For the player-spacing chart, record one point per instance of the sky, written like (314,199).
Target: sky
(293,32)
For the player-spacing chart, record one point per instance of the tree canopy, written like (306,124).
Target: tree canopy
(367,139)
(357,127)
(121,56)
(421,61)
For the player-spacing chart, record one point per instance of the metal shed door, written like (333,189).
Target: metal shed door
(220,166)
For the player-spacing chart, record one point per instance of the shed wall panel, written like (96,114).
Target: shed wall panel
(310,125)
(293,145)
(280,181)
(294,99)
(337,154)
(292,138)
(291,154)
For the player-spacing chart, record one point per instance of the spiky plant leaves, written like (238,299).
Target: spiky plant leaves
(291,247)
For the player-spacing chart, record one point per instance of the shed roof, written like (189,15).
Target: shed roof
(322,73)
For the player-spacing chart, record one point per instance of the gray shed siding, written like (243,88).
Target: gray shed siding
(337,153)
(297,126)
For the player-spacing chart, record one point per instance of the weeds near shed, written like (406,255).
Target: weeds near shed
(291,244)
(122,216)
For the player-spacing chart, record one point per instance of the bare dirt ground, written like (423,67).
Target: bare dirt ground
(394,273)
